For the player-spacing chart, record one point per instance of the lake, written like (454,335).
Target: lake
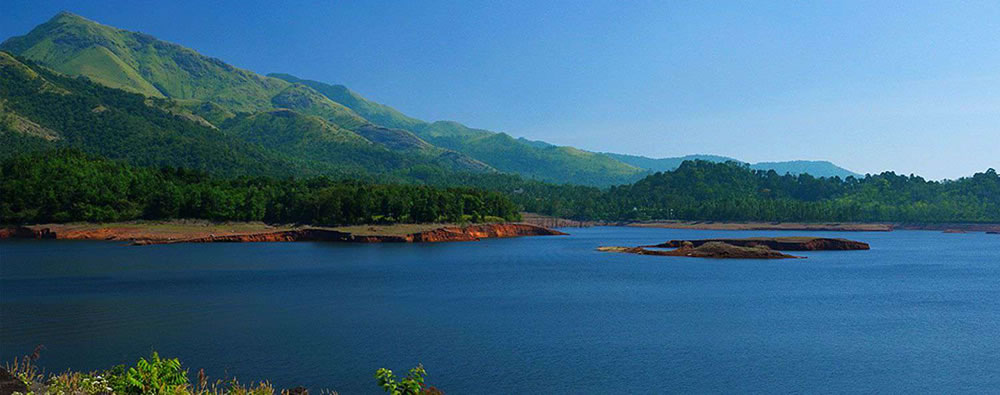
(920,312)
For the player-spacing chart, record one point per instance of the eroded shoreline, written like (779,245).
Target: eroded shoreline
(202,232)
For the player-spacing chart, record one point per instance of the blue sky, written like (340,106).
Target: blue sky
(912,87)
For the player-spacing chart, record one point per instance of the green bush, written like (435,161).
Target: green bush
(154,376)
(412,384)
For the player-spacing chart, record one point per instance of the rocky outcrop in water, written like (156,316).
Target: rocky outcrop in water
(707,250)
(777,243)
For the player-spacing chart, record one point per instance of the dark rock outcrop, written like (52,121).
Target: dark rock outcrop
(10,384)
(24,232)
(777,243)
(707,250)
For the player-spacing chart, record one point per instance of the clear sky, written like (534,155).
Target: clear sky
(883,85)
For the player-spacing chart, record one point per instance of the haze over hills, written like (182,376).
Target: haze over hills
(814,168)
(481,143)
(313,122)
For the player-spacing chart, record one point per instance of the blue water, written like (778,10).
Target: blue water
(920,312)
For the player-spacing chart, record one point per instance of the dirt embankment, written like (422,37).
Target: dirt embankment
(211,234)
(953,228)
(777,243)
(556,222)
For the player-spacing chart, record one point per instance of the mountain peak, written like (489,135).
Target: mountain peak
(67,15)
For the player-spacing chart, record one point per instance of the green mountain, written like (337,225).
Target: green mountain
(813,168)
(208,90)
(321,126)
(533,159)
(378,114)
(140,63)
(40,109)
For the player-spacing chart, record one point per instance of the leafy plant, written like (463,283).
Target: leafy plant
(156,375)
(412,384)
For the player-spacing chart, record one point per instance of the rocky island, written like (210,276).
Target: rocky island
(744,248)
(777,243)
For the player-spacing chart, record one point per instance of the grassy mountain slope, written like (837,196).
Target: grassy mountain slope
(205,89)
(122,125)
(532,159)
(377,113)
(140,63)
(41,109)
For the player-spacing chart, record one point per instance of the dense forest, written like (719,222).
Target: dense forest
(701,190)
(68,185)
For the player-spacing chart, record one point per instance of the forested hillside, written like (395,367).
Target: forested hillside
(700,190)
(67,185)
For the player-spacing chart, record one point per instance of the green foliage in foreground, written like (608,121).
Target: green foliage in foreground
(155,375)
(67,185)
(412,384)
(158,375)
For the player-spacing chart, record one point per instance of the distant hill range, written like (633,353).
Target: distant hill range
(203,113)
(813,168)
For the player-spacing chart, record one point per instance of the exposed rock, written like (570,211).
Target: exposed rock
(10,384)
(23,232)
(707,250)
(954,231)
(300,390)
(777,243)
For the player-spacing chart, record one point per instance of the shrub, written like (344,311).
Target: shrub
(412,384)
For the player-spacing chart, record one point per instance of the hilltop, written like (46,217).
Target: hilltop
(323,128)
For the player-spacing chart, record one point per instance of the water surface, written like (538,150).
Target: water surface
(920,312)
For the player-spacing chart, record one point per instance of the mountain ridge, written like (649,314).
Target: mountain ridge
(209,91)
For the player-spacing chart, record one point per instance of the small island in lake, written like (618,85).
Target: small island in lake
(744,248)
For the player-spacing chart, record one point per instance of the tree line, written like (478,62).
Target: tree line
(68,185)
(732,191)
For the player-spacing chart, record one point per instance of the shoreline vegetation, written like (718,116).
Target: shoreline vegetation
(64,186)
(158,375)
